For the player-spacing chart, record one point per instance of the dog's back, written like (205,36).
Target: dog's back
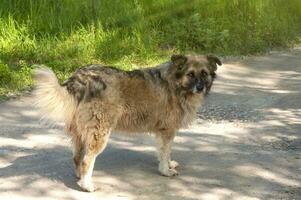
(139,100)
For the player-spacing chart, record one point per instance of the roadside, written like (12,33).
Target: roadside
(246,144)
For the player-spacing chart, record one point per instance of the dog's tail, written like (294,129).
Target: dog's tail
(54,101)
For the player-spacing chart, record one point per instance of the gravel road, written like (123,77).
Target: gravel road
(245,144)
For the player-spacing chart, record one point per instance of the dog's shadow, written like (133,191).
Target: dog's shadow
(56,164)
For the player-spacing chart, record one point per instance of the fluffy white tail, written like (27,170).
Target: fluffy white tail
(53,100)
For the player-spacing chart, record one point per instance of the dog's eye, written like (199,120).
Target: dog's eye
(190,74)
(204,73)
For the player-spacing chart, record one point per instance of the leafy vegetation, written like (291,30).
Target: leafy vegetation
(65,34)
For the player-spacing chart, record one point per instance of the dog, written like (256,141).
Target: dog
(97,100)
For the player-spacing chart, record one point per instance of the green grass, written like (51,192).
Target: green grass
(65,34)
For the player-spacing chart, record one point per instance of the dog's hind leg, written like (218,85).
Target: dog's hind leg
(94,120)
(77,145)
(77,153)
(166,165)
(94,145)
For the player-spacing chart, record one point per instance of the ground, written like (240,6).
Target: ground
(245,144)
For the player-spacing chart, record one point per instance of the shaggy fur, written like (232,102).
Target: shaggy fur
(96,100)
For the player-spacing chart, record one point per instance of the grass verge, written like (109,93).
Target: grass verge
(67,34)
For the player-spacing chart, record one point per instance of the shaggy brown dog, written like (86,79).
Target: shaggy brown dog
(97,100)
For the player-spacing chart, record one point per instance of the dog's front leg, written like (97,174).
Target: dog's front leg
(166,165)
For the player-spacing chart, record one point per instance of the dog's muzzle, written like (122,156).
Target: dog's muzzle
(199,87)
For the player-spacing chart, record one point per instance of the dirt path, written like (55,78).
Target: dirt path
(245,145)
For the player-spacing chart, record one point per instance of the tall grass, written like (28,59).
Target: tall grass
(65,34)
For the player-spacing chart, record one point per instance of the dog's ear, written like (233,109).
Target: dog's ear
(178,60)
(213,62)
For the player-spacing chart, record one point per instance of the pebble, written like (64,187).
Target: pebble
(228,113)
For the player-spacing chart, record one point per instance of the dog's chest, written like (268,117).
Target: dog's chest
(189,108)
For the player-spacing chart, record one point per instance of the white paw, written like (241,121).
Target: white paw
(169,172)
(173,164)
(86,186)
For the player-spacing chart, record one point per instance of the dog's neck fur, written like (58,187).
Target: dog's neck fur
(189,103)
(163,68)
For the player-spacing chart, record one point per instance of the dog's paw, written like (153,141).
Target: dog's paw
(173,164)
(86,186)
(169,172)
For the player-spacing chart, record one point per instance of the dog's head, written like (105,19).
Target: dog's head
(193,74)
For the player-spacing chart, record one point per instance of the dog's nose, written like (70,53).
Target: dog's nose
(200,86)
